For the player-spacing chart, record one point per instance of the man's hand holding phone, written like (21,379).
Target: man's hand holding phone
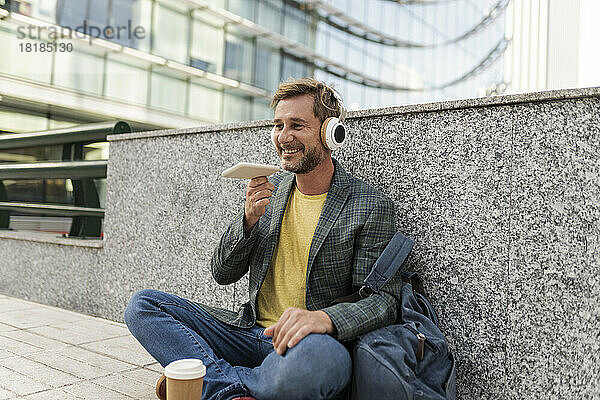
(258,192)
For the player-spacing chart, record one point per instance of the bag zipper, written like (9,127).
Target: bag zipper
(421,349)
(422,342)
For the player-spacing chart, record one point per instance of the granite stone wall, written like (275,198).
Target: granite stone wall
(502,196)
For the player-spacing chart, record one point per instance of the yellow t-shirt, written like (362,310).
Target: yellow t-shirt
(285,283)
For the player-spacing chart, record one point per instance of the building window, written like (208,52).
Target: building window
(267,69)
(236,108)
(126,83)
(101,14)
(206,51)
(167,93)
(243,8)
(238,58)
(293,68)
(261,109)
(121,14)
(170,34)
(97,14)
(270,15)
(296,26)
(79,71)
(205,103)
(72,13)
(33,65)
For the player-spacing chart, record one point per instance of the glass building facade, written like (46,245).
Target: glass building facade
(167,63)
(181,63)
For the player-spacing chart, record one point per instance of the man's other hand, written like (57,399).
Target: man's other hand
(258,192)
(296,323)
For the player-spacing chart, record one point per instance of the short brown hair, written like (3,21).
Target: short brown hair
(325,103)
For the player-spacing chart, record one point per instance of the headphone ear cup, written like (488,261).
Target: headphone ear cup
(324,132)
(333,133)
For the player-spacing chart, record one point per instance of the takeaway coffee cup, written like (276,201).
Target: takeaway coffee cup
(184,379)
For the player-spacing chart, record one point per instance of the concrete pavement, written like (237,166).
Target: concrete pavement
(47,353)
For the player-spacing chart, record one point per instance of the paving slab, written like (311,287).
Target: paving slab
(125,348)
(40,372)
(83,331)
(6,328)
(5,394)
(4,354)
(34,339)
(53,394)
(127,386)
(90,390)
(20,384)
(155,367)
(7,304)
(107,363)
(35,317)
(18,347)
(144,375)
(69,365)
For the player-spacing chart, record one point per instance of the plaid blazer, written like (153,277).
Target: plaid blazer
(355,225)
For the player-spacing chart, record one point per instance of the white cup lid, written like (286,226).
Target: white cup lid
(188,368)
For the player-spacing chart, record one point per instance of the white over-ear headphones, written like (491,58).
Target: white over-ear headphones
(333,130)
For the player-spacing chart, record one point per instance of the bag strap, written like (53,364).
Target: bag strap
(386,266)
(389,262)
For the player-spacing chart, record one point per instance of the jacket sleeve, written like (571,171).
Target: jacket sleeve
(230,259)
(354,319)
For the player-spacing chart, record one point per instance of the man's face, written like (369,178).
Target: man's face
(296,135)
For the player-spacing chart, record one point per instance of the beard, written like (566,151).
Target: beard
(311,159)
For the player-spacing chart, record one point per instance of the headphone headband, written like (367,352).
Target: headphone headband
(342,116)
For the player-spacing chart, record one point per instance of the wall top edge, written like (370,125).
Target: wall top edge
(41,237)
(519,98)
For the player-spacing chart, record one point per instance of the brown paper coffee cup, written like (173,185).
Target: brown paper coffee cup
(184,379)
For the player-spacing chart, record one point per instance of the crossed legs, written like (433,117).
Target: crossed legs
(239,362)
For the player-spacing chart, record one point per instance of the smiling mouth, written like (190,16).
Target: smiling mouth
(288,152)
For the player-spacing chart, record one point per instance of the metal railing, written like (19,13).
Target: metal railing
(86,212)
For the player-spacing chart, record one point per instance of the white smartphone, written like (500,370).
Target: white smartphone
(249,170)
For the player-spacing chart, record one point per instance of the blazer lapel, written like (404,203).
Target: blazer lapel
(336,198)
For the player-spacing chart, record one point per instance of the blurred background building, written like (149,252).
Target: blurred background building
(214,61)
(220,60)
(554,44)
(180,63)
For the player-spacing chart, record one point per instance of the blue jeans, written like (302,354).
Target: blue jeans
(239,362)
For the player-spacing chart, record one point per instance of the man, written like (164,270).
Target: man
(307,237)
